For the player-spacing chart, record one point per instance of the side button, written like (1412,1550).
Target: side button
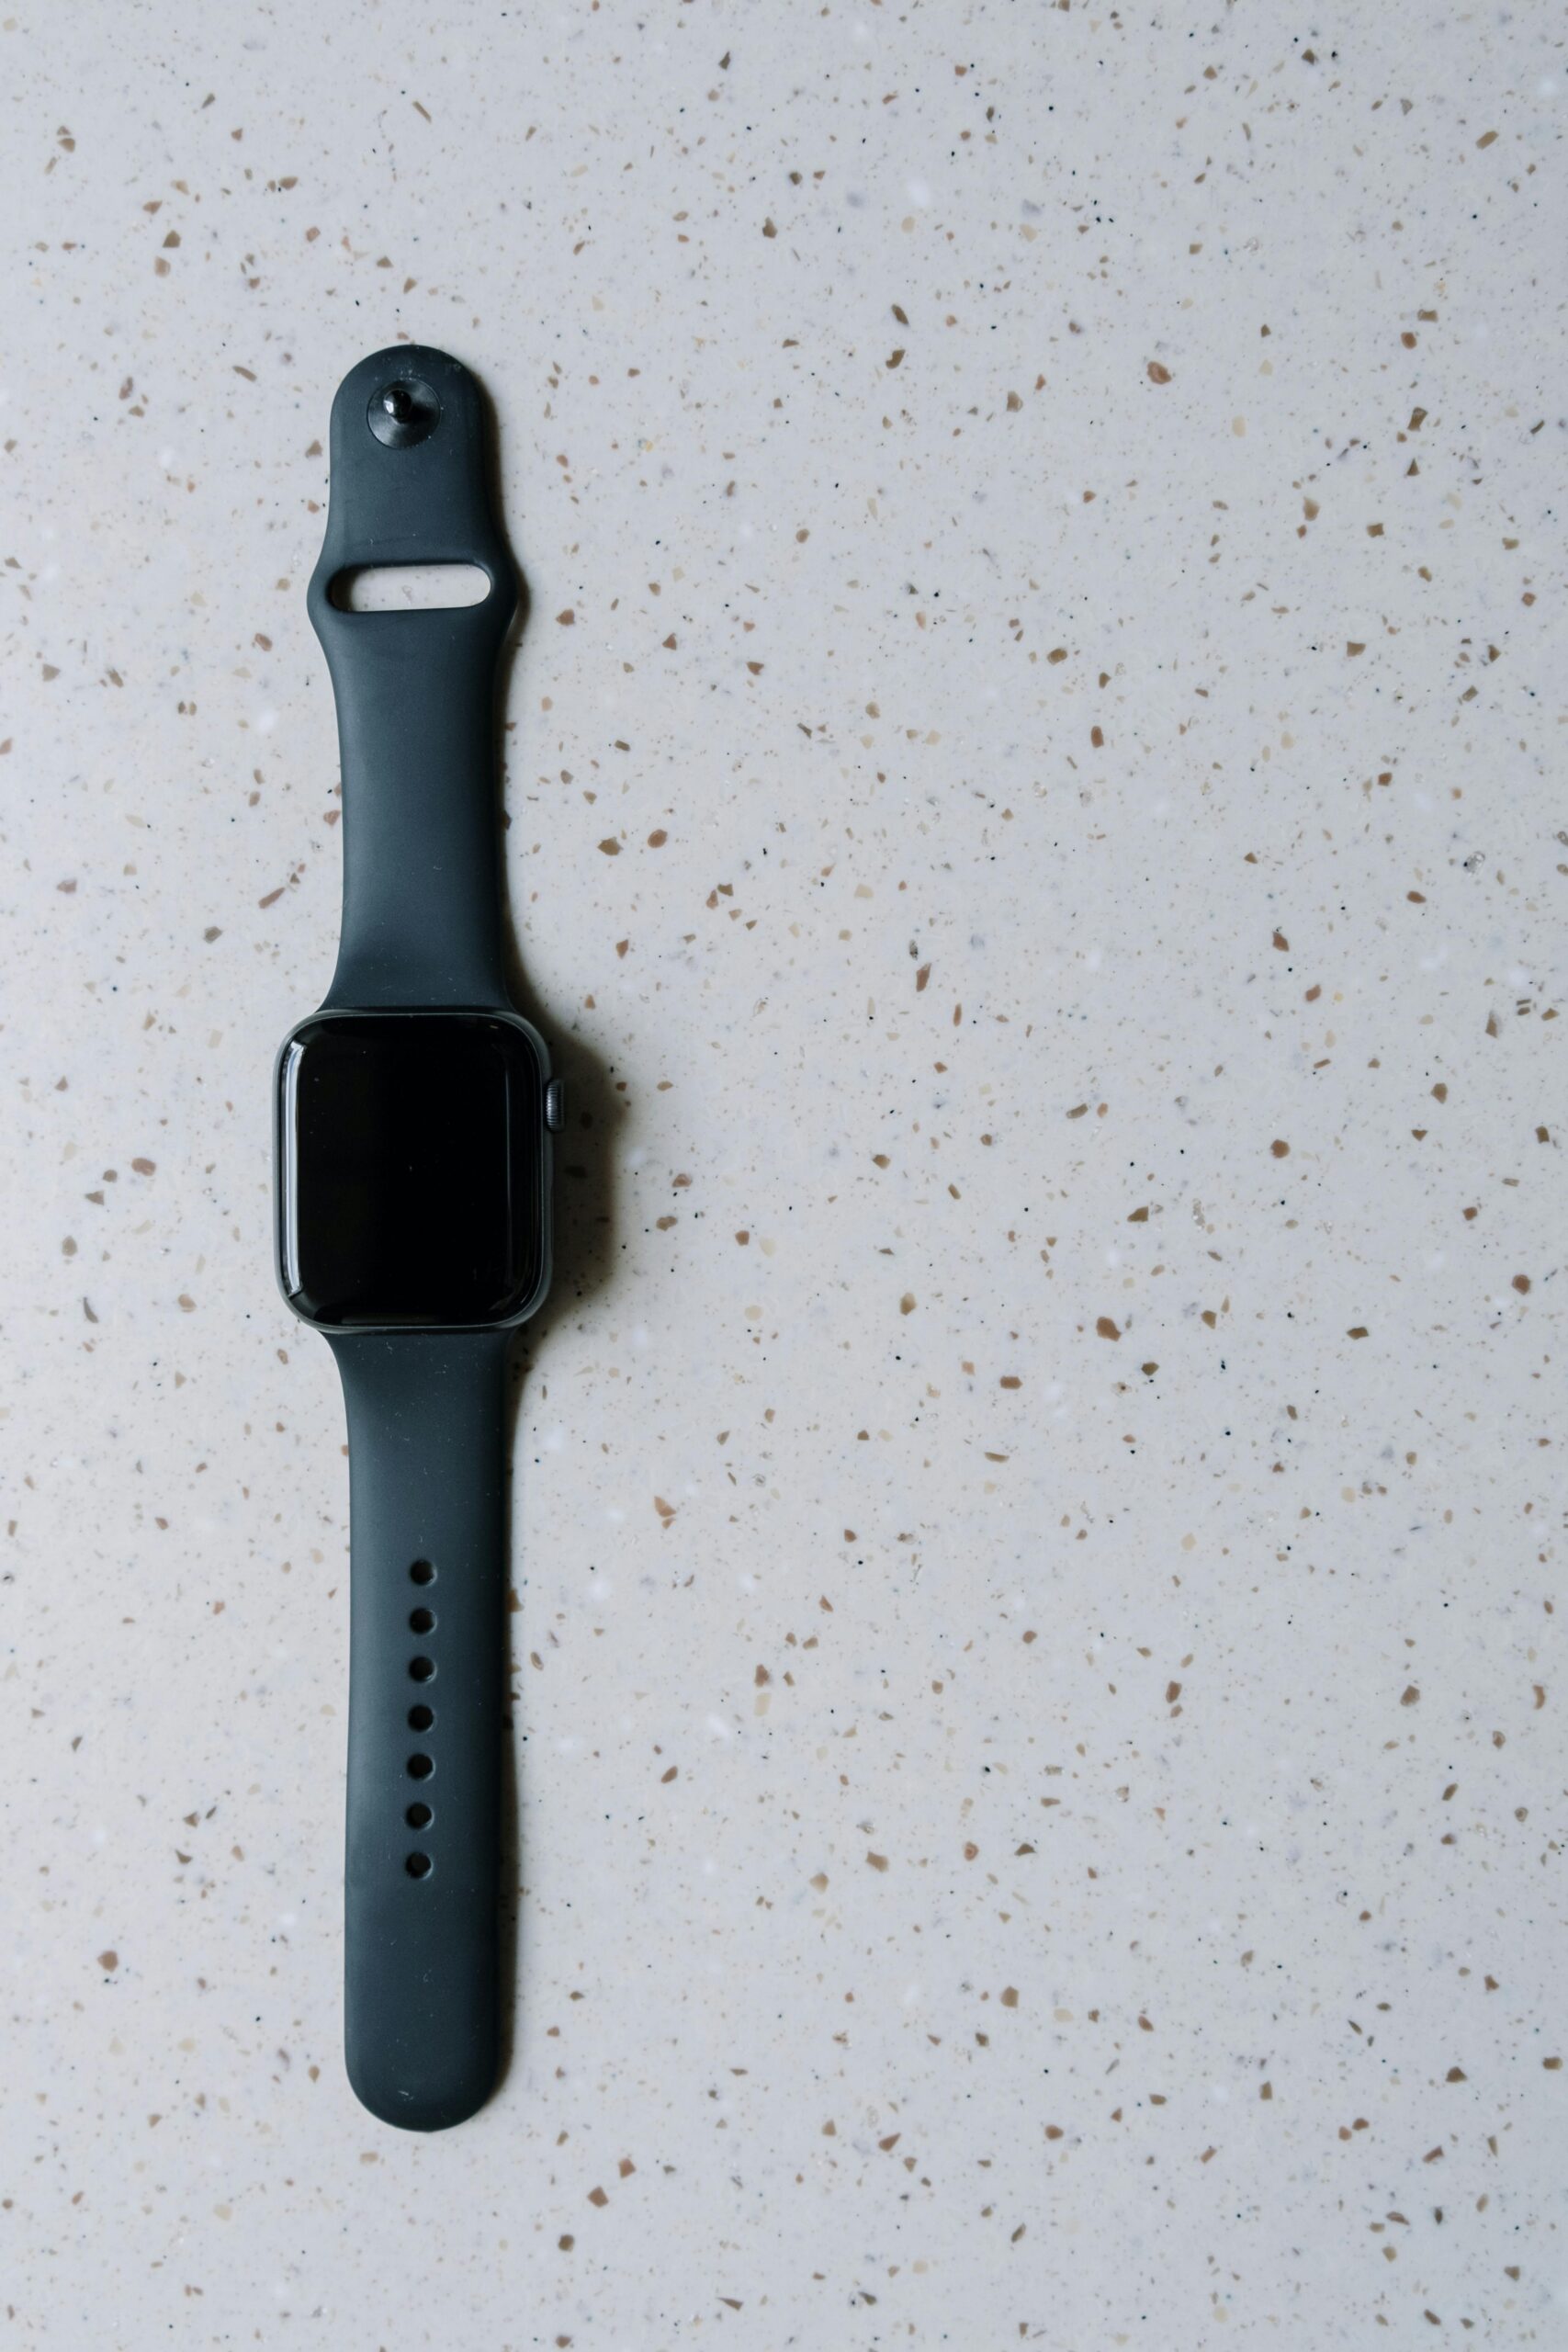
(555,1105)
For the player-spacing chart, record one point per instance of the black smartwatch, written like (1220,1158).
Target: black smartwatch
(413,1124)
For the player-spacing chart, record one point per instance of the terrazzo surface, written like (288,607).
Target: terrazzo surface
(1036,822)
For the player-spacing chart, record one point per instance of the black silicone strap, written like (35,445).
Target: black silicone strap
(415,691)
(427,1503)
(422,927)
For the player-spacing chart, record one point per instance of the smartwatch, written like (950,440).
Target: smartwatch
(414,1112)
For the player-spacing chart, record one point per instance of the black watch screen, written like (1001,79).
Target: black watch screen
(410,1160)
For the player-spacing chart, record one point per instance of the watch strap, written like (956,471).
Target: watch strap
(427,1505)
(416,690)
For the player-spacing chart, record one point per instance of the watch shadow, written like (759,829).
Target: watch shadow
(585,1254)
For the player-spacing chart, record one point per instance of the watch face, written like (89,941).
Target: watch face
(411,1169)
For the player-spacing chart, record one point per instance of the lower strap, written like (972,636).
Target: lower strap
(427,1664)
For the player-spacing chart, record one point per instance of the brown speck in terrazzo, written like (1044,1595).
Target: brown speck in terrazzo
(1410,1696)
(1280,1148)
(906,1303)
(108,1961)
(1521,1283)
(1158,374)
(878,1862)
(1105,1329)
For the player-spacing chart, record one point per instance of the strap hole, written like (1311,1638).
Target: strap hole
(420,1718)
(421,1621)
(418,1866)
(418,1816)
(409,587)
(421,1669)
(420,1768)
(422,1573)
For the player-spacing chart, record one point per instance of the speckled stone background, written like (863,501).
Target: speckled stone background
(1032,818)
